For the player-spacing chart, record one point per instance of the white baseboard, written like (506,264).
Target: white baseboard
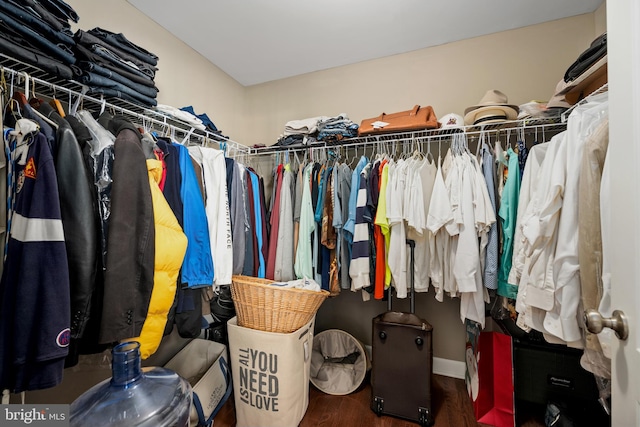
(449,368)
(446,367)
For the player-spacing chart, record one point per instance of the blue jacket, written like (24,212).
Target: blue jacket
(197,267)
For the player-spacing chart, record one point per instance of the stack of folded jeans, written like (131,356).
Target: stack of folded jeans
(38,33)
(114,67)
(336,128)
(295,140)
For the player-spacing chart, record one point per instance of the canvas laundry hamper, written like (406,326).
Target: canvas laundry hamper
(339,362)
(270,374)
(203,363)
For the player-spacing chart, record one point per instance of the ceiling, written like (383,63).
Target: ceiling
(256,41)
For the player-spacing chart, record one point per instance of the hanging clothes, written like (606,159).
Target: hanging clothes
(259,267)
(467,269)
(375,235)
(316,248)
(129,272)
(416,205)
(508,214)
(343,192)
(237,212)
(473,304)
(398,238)
(170,248)
(265,223)
(490,275)
(563,320)
(607,337)
(172,178)
(328,239)
(590,247)
(549,291)
(303,260)
(217,209)
(349,225)
(34,289)
(274,220)
(198,267)
(297,208)
(78,220)
(382,223)
(359,268)
(528,188)
(100,154)
(538,228)
(440,223)
(284,257)
(251,238)
(4,151)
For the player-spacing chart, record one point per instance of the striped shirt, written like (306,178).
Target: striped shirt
(359,268)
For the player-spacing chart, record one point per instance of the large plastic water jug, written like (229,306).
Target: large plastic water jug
(134,396)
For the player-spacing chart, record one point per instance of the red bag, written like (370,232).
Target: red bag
(489,376)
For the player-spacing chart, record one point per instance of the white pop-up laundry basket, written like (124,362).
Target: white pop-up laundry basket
(339,362)
(270,375)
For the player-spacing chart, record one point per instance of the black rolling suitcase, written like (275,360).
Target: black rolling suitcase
(402,363)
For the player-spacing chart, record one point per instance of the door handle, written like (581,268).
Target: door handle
(618,322)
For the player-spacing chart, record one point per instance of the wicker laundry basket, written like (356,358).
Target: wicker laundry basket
(271,308)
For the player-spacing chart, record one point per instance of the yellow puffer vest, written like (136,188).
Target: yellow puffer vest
(171,245)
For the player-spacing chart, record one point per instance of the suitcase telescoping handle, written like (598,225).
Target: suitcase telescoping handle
(412,294)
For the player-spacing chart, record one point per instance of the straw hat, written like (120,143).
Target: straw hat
(493,107)
(558,99)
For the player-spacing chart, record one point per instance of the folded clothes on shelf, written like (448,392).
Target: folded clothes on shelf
(18,48)
(337,128)
(86,56)
(123,44)
(122,92)
(28,17)
(203,117)
(114,53)
(181,115)
(94,79)
(112,66)
(58,51)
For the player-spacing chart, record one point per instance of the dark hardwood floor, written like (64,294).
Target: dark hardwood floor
(451,405)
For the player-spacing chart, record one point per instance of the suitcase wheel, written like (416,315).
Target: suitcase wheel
(378,405)
(425,419)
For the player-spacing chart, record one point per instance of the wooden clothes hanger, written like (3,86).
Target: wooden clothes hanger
(57,105)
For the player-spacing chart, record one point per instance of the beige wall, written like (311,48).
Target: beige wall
(525,64)
(600,18)
(185,77)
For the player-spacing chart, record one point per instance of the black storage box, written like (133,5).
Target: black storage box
(546,372)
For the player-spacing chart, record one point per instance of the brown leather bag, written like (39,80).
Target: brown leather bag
(416,119)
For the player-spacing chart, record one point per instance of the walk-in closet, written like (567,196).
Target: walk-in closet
(277,214)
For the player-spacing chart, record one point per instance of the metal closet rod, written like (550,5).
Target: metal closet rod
(418,137)
(186,130)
